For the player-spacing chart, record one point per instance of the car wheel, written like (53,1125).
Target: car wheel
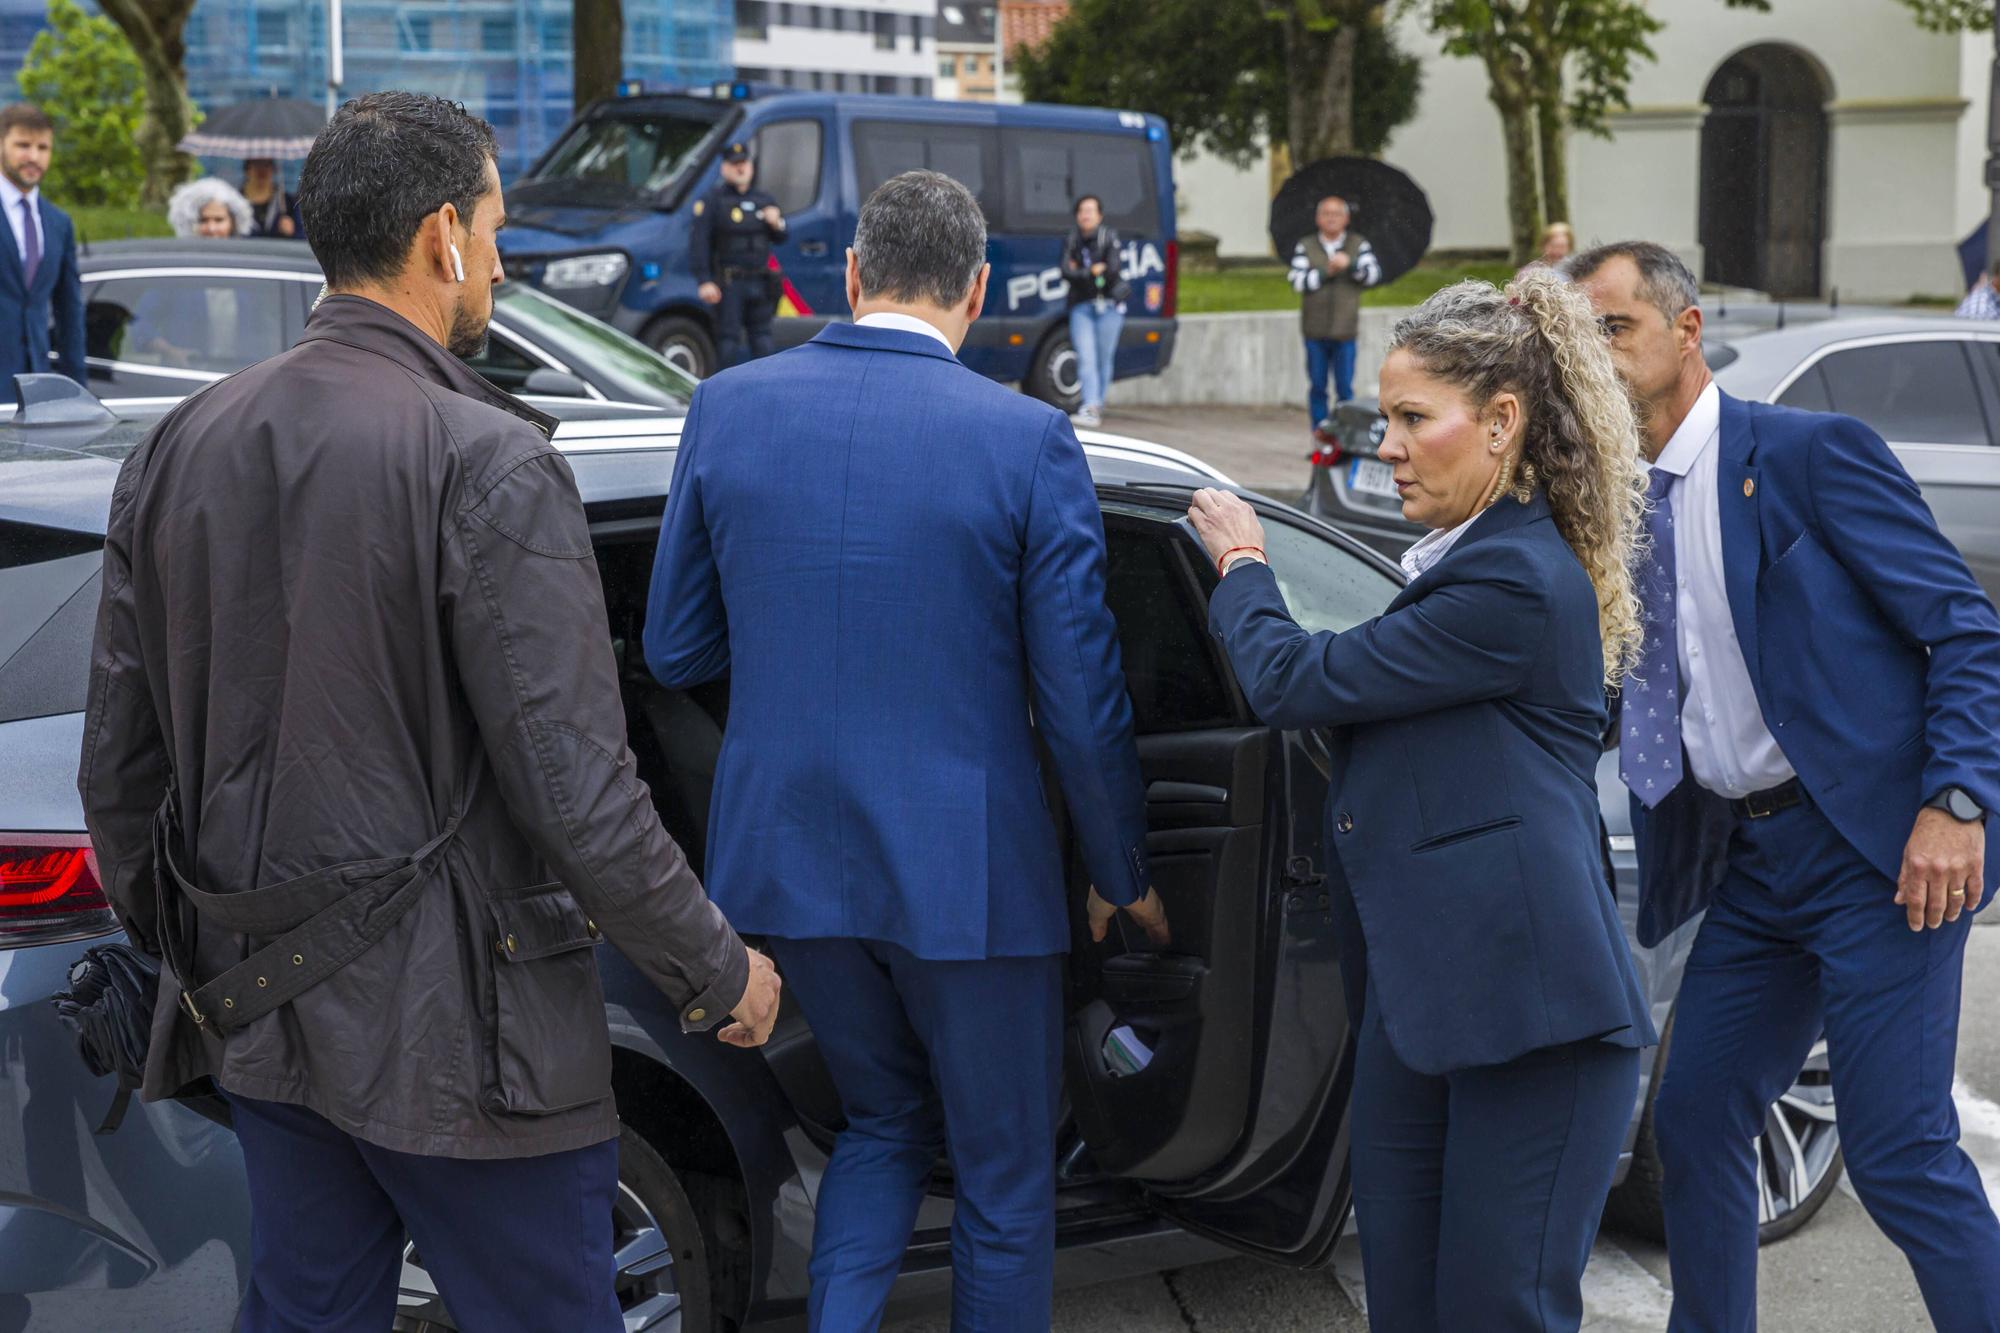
(684,342)
(1054,376)
(663,1277)
(1798,1158)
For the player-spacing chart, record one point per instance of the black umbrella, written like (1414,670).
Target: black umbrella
(1389,209)
(273,127)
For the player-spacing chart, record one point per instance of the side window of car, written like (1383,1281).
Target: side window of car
(211,325)
(1808,392)
(788,161)
(1910,392)
(969,154)
(1171,668)
(1327,586)
(503,365)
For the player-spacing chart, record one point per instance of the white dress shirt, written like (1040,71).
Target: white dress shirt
(889,319)
(1434,546)
(1730,749)
(10,199)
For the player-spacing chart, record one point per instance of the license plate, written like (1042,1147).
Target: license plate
(1372,477)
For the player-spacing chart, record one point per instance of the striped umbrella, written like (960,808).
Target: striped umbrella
(281,128)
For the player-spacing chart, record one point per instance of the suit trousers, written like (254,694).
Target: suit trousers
(1478,1192)
(1804,936)
(962,1059)
(515,1245)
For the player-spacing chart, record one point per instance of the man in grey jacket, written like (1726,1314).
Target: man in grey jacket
(353,632)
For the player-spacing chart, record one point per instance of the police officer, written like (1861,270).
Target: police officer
(734,226)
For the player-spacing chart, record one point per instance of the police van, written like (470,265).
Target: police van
(602,220)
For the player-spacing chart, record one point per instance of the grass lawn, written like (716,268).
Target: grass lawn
(116,224)
(1263,287)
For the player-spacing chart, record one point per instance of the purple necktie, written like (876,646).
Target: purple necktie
(1649,748)
(31,242)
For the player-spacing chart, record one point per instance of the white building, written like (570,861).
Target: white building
(839,46)
(1828,144)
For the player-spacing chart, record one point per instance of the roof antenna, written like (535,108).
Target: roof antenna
(1781,314)
(1836,298)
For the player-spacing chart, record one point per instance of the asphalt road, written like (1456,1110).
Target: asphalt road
(1836,1275)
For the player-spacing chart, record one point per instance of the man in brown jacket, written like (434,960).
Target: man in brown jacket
(352,630)
(1329,269)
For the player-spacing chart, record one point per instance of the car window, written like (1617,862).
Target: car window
(1808,392)
(788,160)
(1046,171)
(1171,669)
(1910,392)
(626,369)
(502,364)
(214,325)
(1326,586)
(48,583)
(969,154)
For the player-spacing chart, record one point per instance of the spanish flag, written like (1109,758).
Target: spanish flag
(790,303)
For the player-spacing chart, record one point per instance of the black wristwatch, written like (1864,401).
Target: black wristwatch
(1958,803)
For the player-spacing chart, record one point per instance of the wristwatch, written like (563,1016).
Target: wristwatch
(1958,803)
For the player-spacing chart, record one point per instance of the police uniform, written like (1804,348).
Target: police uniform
(732,248)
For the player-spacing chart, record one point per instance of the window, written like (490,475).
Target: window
(1910,392)
(1808,392)
(968,154)
(1171,670)
(503,365)
(753,20)
(948,67)
(216,326)
(1047,170)
(788,160)
(885,32)
(1326,587)
(496,35)
(416,34)
(626,153)
(274,29)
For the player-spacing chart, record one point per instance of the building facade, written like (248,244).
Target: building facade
(839,46)
(968,60)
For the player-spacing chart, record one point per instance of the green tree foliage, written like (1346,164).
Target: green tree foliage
(82,72)
(1952,15)
(1228,75)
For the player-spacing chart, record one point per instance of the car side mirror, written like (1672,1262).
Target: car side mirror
(546,383)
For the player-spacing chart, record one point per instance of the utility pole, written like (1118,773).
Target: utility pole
(336,60)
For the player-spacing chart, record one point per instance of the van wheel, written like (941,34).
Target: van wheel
(684,342)
(1053,376)
(1798,1158)
(657,1243)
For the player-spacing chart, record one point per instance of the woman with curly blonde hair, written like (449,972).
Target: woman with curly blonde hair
(1499,1019)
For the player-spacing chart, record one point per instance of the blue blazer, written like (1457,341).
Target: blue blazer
(1467,721)
(25,313)
(1874,654)
(900,566)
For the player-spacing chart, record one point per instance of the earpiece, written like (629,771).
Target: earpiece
(457,264)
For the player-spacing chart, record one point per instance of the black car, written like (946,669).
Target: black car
(1233,1135)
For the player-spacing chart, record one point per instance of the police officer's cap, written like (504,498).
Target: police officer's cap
(736,152)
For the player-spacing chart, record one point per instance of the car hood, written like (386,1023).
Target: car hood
(539,229)
(40,792)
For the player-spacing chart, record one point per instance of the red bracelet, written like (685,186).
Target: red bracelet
(1223,560)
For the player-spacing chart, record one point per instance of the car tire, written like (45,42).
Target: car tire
(685,342)
(1053,375)
(1638,1205)
(662,1253)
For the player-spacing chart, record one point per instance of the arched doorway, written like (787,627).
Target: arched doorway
(1763,171)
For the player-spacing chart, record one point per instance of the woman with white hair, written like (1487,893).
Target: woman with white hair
(209,207)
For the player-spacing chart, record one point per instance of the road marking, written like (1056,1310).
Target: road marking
(1619,1295)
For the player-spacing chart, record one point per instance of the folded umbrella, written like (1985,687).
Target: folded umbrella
(280,128)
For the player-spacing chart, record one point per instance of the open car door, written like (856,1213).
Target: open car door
(1217,1074)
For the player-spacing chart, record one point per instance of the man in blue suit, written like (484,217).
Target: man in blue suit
(896,632)
(1812,747)
(38,272)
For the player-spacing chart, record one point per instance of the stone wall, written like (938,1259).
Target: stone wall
(1255,357)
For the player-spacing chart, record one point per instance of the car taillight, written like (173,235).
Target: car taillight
(49,890)
(1327,455)
(1172,302)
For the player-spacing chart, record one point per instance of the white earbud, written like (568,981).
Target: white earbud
(457,264)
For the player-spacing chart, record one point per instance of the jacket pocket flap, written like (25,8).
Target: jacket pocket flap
(542,921)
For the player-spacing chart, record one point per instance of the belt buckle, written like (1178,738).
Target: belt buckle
(1761,804)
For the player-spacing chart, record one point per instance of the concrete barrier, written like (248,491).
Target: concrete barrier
(1255,357)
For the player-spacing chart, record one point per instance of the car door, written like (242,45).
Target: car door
(168,332)
(794,166)
(1216,1074)
(1935,398)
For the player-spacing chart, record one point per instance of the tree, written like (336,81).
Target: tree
(156,31)
(598,35)
(1952,15)
(82,73)
(1231,75)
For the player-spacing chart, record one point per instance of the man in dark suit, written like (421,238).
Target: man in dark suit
(38,273)
(895,636)
(1812,744)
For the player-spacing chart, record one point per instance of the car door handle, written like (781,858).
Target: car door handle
(812,249)
(1185,793)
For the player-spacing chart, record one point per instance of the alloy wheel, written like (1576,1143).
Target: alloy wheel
(1800,1145)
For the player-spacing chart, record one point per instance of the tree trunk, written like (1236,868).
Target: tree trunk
(1319,88)
(1513,99)
(1552,136)
(155,30)
(599,36)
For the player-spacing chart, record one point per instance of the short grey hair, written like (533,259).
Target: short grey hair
(1664,280)
(185,204)
(921,237)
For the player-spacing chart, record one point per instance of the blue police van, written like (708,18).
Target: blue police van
(602,220)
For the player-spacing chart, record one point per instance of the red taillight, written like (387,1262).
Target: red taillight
(1172,302)
(1326,456)
(49,889)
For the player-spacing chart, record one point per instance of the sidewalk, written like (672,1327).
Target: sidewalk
(1261,448)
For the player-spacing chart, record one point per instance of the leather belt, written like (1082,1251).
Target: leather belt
(1764,804)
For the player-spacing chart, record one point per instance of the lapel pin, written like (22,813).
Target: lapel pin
(1749,488)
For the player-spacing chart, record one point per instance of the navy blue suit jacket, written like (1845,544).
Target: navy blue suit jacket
(25,312)
(1467,722)
(900,566)
(1874,654)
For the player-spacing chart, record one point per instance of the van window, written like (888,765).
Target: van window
(1048,169)
(788,157)
(969,154)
